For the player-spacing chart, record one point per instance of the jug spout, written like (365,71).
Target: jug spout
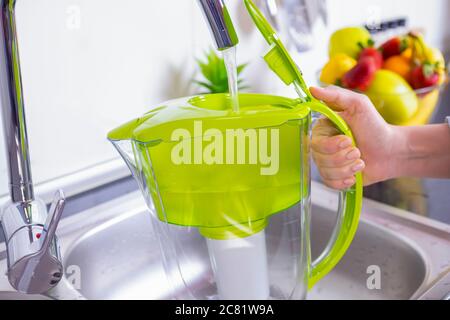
(122,140)
(125,149)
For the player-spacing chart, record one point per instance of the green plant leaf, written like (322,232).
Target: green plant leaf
(204,84)
(213,70)
(241,68)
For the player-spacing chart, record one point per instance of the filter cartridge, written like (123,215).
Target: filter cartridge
(240,267)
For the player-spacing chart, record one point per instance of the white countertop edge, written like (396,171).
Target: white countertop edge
(81,181)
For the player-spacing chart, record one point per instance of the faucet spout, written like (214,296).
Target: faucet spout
(13,110)
(220,24)
(34,261)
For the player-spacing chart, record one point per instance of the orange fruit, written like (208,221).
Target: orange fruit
(400,65)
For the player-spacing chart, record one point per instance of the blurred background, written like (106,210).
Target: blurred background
(88,65)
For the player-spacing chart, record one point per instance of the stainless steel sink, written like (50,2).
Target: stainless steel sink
(117,254)
(19,296)
(402,266)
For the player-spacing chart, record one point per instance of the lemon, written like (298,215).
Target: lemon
(336,68)
(347,41)
(393,97)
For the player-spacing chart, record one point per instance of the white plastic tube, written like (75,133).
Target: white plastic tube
(240,267)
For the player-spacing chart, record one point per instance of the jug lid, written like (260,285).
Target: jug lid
(278,58)
(257,111)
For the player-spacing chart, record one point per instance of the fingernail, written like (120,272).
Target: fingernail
(350,182)
(358,167)
(353,155)
(345,143)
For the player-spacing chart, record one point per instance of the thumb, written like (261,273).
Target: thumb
(337,98)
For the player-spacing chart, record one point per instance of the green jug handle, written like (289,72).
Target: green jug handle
(350,210)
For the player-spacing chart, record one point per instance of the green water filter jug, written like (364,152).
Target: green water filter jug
(230,193)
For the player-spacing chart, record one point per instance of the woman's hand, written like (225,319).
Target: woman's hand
(338,161)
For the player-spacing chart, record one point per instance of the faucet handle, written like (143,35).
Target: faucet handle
(34,266)
(54,215)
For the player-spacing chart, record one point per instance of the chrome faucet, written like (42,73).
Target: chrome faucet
(34,262)
(220,24)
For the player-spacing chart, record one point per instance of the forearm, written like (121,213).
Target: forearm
(422,152)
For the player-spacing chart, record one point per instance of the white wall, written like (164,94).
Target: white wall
(90,65)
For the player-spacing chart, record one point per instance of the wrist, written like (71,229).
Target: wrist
(399,152)
(420,151)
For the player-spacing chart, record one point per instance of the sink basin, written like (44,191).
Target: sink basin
(117,253)
(120,259)
(402,266)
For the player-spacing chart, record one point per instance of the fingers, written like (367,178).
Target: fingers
(341,178)
(326,138)
(336,156)
(330,145)
(337,98)
(342,173)
(339,159)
